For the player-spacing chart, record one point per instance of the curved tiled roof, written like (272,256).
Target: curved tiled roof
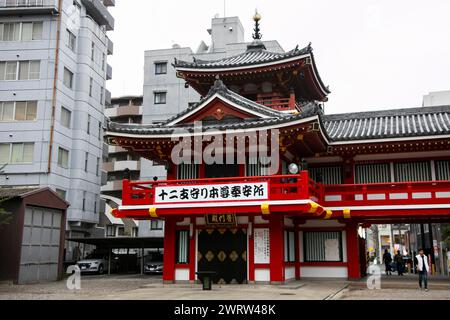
(397,123)
(250,57)
(309,111)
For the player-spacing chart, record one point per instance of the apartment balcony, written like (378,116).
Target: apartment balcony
(99,12)
(132,165)
(108,72)
(116,149)
(294,196)
(28,7)
(123,111)
(110,46)
(111,186)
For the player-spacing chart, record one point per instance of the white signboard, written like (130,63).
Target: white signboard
(332,250)
(261,245)
(212,193)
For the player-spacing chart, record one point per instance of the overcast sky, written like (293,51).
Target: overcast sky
(373,54)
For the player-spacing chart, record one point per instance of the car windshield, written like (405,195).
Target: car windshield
(95,256)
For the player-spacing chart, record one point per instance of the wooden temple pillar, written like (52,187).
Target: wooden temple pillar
(353,263)
(276,229)
(169,250)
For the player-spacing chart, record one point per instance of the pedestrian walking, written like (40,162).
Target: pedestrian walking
(423,268)
(387,259)
(398,259)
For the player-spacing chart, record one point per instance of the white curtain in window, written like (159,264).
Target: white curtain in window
(27,31)
(4,153)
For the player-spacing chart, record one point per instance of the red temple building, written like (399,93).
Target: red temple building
(292,209)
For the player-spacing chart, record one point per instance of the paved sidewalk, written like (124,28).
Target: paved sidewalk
(130,287)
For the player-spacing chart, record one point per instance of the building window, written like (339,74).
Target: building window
(97,169)
(20,31)
(20,70)
(84,201)
(66,117)
(289,246)
(91,84)
(71,40)
(183,247)
(322,246)
(100,130)
(68,78)
(160,97)
(18,111)
(161,68)
(86,161)
(412,171)
(443,170)
(156,225)
(16,153)
(103,62)
(327,175)
(92,51)
(95,203)
(373,173)
(102,96)
(88,129)
(63,158)
(29,70)
(62,193)
(110,231)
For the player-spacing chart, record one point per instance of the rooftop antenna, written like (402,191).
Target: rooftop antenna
(224,8)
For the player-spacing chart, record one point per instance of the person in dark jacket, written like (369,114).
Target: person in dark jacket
(398,259)
(387,259)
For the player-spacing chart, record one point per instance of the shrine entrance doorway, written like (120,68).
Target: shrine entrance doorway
(224,251)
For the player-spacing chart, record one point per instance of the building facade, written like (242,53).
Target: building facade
(53,70)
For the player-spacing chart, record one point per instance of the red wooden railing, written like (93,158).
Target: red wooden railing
(281,187)
(296,187)
(278,103)
(396,193)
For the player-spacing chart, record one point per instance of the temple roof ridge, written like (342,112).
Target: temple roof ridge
(253,55)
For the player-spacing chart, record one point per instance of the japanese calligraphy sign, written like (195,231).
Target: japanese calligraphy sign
(212,193)
(262,245)
(221,219)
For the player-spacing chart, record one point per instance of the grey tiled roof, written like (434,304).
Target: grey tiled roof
(15,192)
(413,122)
(308,111)
(250,57)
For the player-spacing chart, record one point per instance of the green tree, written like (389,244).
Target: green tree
(5,217)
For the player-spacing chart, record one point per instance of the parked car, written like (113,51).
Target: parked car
(154,265)
(98,263)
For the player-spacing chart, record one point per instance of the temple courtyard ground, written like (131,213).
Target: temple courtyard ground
(131,287)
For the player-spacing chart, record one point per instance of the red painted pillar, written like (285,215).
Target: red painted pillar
(192,253)
(251,253)
(276,230)
(297,252)
(169,250)
(354,271)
